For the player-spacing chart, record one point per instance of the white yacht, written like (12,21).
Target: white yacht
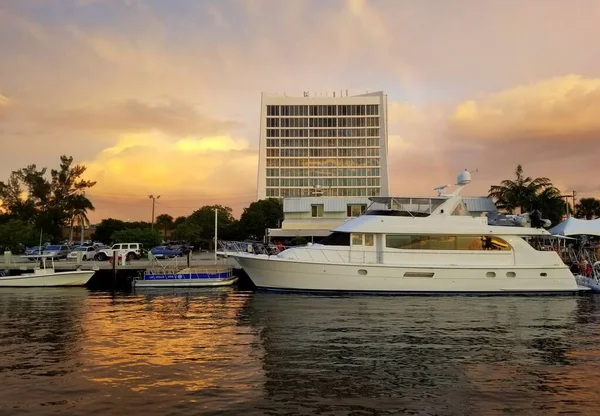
(417,246)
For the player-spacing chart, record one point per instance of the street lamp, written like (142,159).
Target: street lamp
(153,198)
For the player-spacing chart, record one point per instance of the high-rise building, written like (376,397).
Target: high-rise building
(331,146)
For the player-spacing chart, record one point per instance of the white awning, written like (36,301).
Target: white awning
(575,226)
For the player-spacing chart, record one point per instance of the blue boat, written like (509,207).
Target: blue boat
(189,277)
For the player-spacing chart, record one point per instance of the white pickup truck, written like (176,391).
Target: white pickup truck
(129,251)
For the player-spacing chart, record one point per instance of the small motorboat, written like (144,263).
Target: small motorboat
(44,276)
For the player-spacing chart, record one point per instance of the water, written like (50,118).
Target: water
(225,351)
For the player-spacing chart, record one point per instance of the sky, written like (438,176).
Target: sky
(163,97)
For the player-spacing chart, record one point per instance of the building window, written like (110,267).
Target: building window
(354,210)
(317,210)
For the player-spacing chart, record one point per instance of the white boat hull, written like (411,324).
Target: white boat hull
(206,282)
(273,273)
(49,278)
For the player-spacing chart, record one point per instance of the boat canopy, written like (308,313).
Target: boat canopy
(576,226)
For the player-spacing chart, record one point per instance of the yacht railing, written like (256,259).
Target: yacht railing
(314,254)
(579,257)
(328,254)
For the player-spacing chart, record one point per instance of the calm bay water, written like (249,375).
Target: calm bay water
(225,351)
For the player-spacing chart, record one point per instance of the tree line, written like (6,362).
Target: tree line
(525,194)
(38,203)
(197,228)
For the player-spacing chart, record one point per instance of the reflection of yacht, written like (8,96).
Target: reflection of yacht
(443,249)
(385,353)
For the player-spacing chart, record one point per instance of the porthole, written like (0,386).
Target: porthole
(543,274)
(490,274)
(511,274)
(362,272)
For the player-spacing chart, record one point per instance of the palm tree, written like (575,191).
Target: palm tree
(550,202)
(78,206)
(166,221)
(587,208)
(520,193)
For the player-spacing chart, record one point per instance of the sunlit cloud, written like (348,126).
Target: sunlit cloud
(192,171)
(563,107)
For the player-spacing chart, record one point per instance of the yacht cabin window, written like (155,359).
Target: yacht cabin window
(445,242)
(336,239)
(363,240)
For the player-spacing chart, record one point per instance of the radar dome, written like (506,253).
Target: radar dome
(463,178)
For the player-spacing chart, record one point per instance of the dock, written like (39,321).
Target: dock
(203,260)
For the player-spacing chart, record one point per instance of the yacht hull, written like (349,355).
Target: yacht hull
(72,278)
(272,273)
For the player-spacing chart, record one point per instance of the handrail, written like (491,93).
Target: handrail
(345,255)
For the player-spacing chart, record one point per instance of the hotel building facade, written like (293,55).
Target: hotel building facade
(323,146)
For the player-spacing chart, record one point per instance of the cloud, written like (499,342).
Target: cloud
(188,172)
(4,102)
(174,117)
(563,108)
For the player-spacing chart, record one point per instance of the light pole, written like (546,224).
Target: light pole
(153,198)
(82,222)
(216,226)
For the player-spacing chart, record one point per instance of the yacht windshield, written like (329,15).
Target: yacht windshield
(336,239)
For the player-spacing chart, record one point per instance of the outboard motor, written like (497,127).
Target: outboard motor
(536,218)
(537,221)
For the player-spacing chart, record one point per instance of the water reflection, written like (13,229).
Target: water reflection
(447,355)
(40,342)
(172,342)
(225,351)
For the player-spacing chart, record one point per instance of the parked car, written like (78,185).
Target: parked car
(32,251)
(166,251)
(88,253)
(56,251)
(130,251)
(181,245)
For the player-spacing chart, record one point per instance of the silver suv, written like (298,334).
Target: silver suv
(56,252)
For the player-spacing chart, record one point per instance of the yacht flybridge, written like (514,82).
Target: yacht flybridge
(419,246)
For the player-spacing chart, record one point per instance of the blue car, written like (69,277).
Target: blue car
(166,252)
